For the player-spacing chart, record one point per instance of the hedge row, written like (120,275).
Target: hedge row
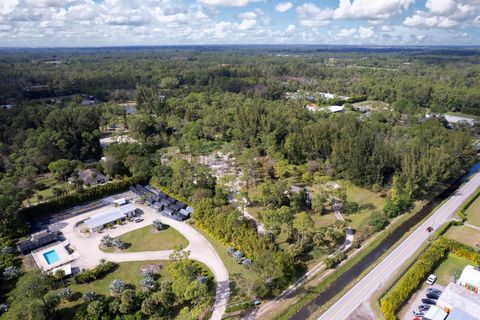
(410,281)
(468,203)
(89,194)
(154,182)
(98,272)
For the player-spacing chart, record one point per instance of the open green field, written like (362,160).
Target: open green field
(452,265)
(473,213)
(367,200)
(465,234)
(144,239)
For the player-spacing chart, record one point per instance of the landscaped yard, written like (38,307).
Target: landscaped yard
(452,265)
(128,272)
(465,234)
(473,213)
(144,239)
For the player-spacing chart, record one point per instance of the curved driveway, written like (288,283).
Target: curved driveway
(199,247)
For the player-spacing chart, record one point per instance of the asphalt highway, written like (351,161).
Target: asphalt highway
(389,266)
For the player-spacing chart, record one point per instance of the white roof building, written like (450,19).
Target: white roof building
(459,302)
(435,313)
(101,219)
(333,109)
(120,201)
(470,276)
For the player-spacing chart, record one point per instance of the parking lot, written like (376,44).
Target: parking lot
(416,300)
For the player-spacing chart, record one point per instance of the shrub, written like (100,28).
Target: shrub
(335,259)
(106,241)
(119,244)
(11,272)
(157,224)
(116,287)
(148,283)
(66,294)
(96,273)
(89,296)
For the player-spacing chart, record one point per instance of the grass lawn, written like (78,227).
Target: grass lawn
(367,200)
(473,213)
(144,239)
(236,272)
(323,220)
(464,234)
(129,272)
(452,265)
(49,181)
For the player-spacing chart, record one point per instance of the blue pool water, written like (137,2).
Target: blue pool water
(51,256)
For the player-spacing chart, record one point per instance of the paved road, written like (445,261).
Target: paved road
(388,267)
(200,249)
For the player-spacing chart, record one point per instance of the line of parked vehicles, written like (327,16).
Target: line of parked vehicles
(430,299)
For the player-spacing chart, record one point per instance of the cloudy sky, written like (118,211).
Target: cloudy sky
(67,23)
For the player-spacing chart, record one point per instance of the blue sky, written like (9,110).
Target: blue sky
(66,23)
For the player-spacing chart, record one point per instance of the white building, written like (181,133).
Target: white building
(459,302)
(98,221)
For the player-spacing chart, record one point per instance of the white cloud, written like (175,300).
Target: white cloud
(312,16)
(421,19)
(353,33)
(290,28)
(370,9)
(444,14)
(347,33)
(441,7)
(365,32)
(226,3)
(247,24)
(283,7)
(7,6)
(250,15)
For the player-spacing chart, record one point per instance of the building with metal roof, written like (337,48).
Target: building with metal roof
(98,221)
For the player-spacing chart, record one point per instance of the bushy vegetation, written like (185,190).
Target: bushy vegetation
(335,259)
(274,266)
(96,273)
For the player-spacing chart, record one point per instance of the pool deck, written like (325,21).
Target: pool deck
(63,255)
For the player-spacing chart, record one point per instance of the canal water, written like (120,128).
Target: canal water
(349,276)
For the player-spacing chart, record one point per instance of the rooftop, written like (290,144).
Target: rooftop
(457,297)
(109,216)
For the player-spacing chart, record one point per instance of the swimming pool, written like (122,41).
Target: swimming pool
(51,256)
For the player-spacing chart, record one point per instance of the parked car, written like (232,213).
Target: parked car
(431,279)
(430,229)
(419,314)
(429,301)
(434,291)
(137,220)
(424,307)
(432,296)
